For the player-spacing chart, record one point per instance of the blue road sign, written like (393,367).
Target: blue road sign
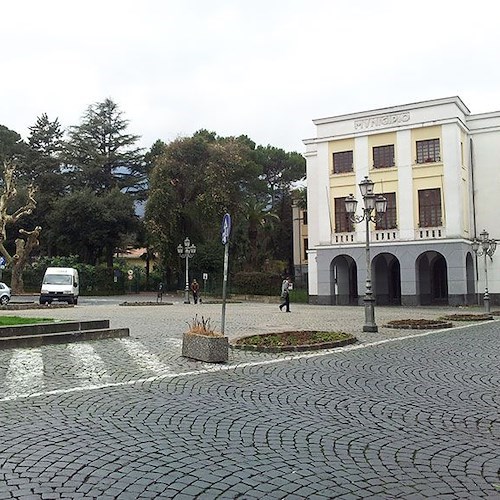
(2,260)
(226,228)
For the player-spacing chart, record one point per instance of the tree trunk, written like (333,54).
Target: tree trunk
(20,259)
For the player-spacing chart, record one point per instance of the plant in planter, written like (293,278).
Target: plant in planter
(203,343)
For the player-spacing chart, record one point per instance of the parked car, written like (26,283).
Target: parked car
(4,294)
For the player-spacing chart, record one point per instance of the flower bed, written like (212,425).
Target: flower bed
(418,324)
(467,317)
(150,303)
(293,341)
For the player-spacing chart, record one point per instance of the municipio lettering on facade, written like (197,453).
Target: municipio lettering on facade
(381,121)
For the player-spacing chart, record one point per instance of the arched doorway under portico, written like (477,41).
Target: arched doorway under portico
(344,281)
(386,279)
(432,278)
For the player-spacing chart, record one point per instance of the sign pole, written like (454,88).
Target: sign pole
(224,286)
(226,230)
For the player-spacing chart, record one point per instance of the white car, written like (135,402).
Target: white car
(4,294)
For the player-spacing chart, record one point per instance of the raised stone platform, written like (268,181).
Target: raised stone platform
(57,333)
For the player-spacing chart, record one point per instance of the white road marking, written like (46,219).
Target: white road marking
(227,367)
(145,359)
(172,342)
(89,365)
(25,373)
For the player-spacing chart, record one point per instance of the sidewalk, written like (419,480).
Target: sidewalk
(242,318)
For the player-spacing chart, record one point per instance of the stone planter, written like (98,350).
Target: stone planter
(206,348)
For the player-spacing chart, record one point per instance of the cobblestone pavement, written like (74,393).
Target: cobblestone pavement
(400,414)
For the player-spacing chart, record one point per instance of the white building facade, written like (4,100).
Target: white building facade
(438,166)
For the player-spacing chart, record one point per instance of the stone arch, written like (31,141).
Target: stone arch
(386,271)
(432,278)
(344,280)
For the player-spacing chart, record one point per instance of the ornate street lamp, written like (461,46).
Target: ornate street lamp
(374,206)
(186,252)
(485,246)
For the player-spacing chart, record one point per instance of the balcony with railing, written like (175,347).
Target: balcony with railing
(379,235)
(388,235)
(430,233)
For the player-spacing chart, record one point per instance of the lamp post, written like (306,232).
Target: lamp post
(372,203)
(485,246)
(186,252)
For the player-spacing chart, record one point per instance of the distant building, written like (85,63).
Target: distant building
(438,166)
(134,257)
(300,245)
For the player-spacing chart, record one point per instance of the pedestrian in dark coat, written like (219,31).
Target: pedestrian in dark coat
(285,294)
(195,289)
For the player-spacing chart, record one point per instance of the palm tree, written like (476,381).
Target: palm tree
(260,222)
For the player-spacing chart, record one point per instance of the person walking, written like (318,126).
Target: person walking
(195,289)
(285,294)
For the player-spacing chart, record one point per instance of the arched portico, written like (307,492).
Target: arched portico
(432,278)
(344,281)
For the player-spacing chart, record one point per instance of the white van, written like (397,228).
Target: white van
(60,283)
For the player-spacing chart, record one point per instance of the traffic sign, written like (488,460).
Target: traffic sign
(2,260)
(226,228)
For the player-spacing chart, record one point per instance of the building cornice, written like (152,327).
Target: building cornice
(364,133)
(395,110)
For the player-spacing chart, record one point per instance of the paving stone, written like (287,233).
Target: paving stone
(390,417)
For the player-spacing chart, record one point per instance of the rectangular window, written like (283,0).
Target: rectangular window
(388,220)
(428,151)
(429,208)
(383,156)
(304,217)
(306,247)
(343,162)
(342,222)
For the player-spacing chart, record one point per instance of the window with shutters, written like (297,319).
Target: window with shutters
(343,162)
(428,151)
(383,156)
(342,222)
(388,220)
(429,208)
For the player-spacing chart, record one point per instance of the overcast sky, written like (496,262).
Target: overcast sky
(264,68)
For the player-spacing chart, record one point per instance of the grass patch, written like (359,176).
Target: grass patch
(17,320)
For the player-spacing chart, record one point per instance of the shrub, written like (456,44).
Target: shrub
(256,283)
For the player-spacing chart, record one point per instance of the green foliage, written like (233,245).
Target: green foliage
(12,147)
(195,180)
(102,155)
(94,224)
(299,295)
(87,186)
(256,283)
